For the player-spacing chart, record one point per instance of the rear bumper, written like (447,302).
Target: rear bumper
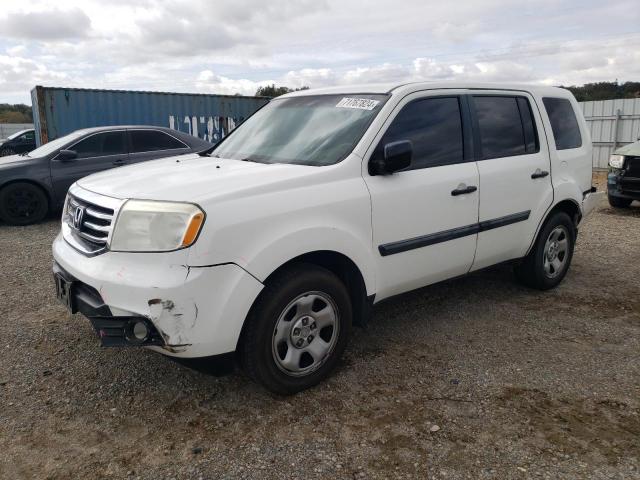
(590,201)
(196,312)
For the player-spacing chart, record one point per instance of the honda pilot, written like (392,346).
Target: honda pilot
(270,247)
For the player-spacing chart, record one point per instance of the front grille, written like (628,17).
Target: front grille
(632,166)
(90,224)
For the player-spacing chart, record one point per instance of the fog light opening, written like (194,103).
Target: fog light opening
(138,331)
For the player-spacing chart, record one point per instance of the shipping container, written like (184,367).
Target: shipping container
(59,111)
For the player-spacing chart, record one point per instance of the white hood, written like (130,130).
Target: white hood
(190,178)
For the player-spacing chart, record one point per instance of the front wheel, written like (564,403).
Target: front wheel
(5,152)
(23,204)
(549,260)
(297,329)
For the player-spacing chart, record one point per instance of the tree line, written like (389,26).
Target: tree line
(605,91)
(18,113)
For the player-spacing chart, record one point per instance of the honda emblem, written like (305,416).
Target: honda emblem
(77,218)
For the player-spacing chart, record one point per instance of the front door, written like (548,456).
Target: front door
(515,175)
(94,153)
(425,218)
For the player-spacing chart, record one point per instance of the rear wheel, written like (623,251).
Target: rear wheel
(23,204)
(297,329)
(618,202)
(549,260)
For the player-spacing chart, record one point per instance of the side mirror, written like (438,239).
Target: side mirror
(396,156)
(67,155)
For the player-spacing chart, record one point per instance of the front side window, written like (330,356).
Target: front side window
(564,124)
(101,144)
(312,130)
(53,145)
(434,128)
(153,140)
(28,137)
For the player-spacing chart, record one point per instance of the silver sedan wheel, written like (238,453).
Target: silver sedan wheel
(305,334)
(556,251)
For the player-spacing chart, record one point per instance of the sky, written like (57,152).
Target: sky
(235,46)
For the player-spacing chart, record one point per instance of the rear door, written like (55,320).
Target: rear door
(95,152)
(424,228)
(149,144)
(515,180)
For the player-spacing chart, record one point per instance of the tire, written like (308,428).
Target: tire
(555,241)
(618,202)
(5,152)
(296,308)
(23,204)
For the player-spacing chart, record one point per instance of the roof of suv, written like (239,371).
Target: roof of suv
(406,88)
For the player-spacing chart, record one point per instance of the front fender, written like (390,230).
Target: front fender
(287,247)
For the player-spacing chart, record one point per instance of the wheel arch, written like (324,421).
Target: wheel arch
(568,206)
(48,193)
(346,270)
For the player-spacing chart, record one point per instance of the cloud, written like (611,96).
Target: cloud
(51,24)
(19,75)
(235,46)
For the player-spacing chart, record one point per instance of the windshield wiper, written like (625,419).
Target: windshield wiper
(255,160)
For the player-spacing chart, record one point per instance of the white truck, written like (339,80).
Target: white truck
(269,247)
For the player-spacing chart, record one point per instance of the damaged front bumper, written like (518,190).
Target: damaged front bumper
(625,183)
(113,331)
(189,312)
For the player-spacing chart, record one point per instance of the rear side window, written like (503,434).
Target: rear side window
(506,126)
(434,127)
(152,140)
(564,124)
(100,144)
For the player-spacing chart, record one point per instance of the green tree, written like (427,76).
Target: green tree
(273,91)
(605,91)
(18,113)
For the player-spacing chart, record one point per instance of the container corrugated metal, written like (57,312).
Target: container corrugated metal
(59,111)
(613,123)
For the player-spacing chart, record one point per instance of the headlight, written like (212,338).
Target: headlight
(148,226)
(616,161)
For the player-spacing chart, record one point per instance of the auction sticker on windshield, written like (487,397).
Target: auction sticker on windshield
(360,103)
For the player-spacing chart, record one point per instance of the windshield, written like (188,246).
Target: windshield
(17,134)
(309,130)
(56,144)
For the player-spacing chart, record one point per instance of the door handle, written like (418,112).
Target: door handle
(119,162)
(539,174)
(463,190)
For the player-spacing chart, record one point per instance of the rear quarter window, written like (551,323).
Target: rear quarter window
(564,123)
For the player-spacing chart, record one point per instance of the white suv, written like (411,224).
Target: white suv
(269,247)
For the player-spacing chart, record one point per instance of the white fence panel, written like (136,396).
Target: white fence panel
(613,123)
(7,129)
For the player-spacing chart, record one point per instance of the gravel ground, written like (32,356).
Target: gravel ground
(474,378)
